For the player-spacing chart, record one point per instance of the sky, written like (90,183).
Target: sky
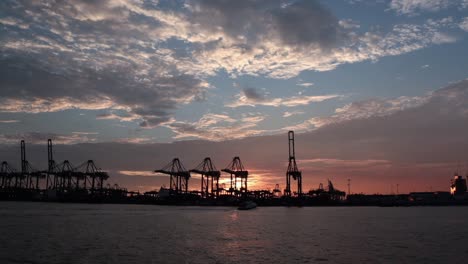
(376,91)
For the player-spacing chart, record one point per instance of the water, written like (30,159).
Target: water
(82,233)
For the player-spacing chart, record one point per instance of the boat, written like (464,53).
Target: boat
(247,205)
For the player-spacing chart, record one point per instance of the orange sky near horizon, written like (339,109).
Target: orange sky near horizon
(364,179)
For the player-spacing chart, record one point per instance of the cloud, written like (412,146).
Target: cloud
(306,23)
(92,55)
(9,121)
(442,38)
(140,61)
(306,84)
(252,97)
(10,21)
(365,164)
(252,93)
(136,140)
(349,24)
(85,133)
(374,107)
(123,117)
(217,127)
(273,59)
(296,24)
(138,173)
(41,138)
(413,6)
(371,108)
(114,87)
(362,110)
(40,105)
(464,24)
(293,113)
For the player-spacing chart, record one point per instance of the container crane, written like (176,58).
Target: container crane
(93,175)
(236,170)
(65,176)
(179,176)
(25,178)
(293,171)
(209,176)
(7,173)
(51,166)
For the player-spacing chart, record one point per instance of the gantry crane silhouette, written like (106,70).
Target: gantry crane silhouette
(293,171)
(179,176)
(209,178)
(236,170)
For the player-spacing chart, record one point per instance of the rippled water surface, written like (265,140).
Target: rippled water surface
(82,233)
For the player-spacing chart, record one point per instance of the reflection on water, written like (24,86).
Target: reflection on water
(79,233)
(234,215)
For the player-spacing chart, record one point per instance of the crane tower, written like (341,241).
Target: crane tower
(292,172)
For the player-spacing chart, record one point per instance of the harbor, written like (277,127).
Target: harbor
(87,183)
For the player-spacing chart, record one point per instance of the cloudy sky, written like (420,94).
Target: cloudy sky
(376,91)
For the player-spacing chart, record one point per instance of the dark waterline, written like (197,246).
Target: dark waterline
(105,233)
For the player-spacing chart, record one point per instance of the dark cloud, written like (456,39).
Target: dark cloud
(235,18)
(89,55)
(274,38)
(295,23)
(306,22)
(29,79)
(253,94)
